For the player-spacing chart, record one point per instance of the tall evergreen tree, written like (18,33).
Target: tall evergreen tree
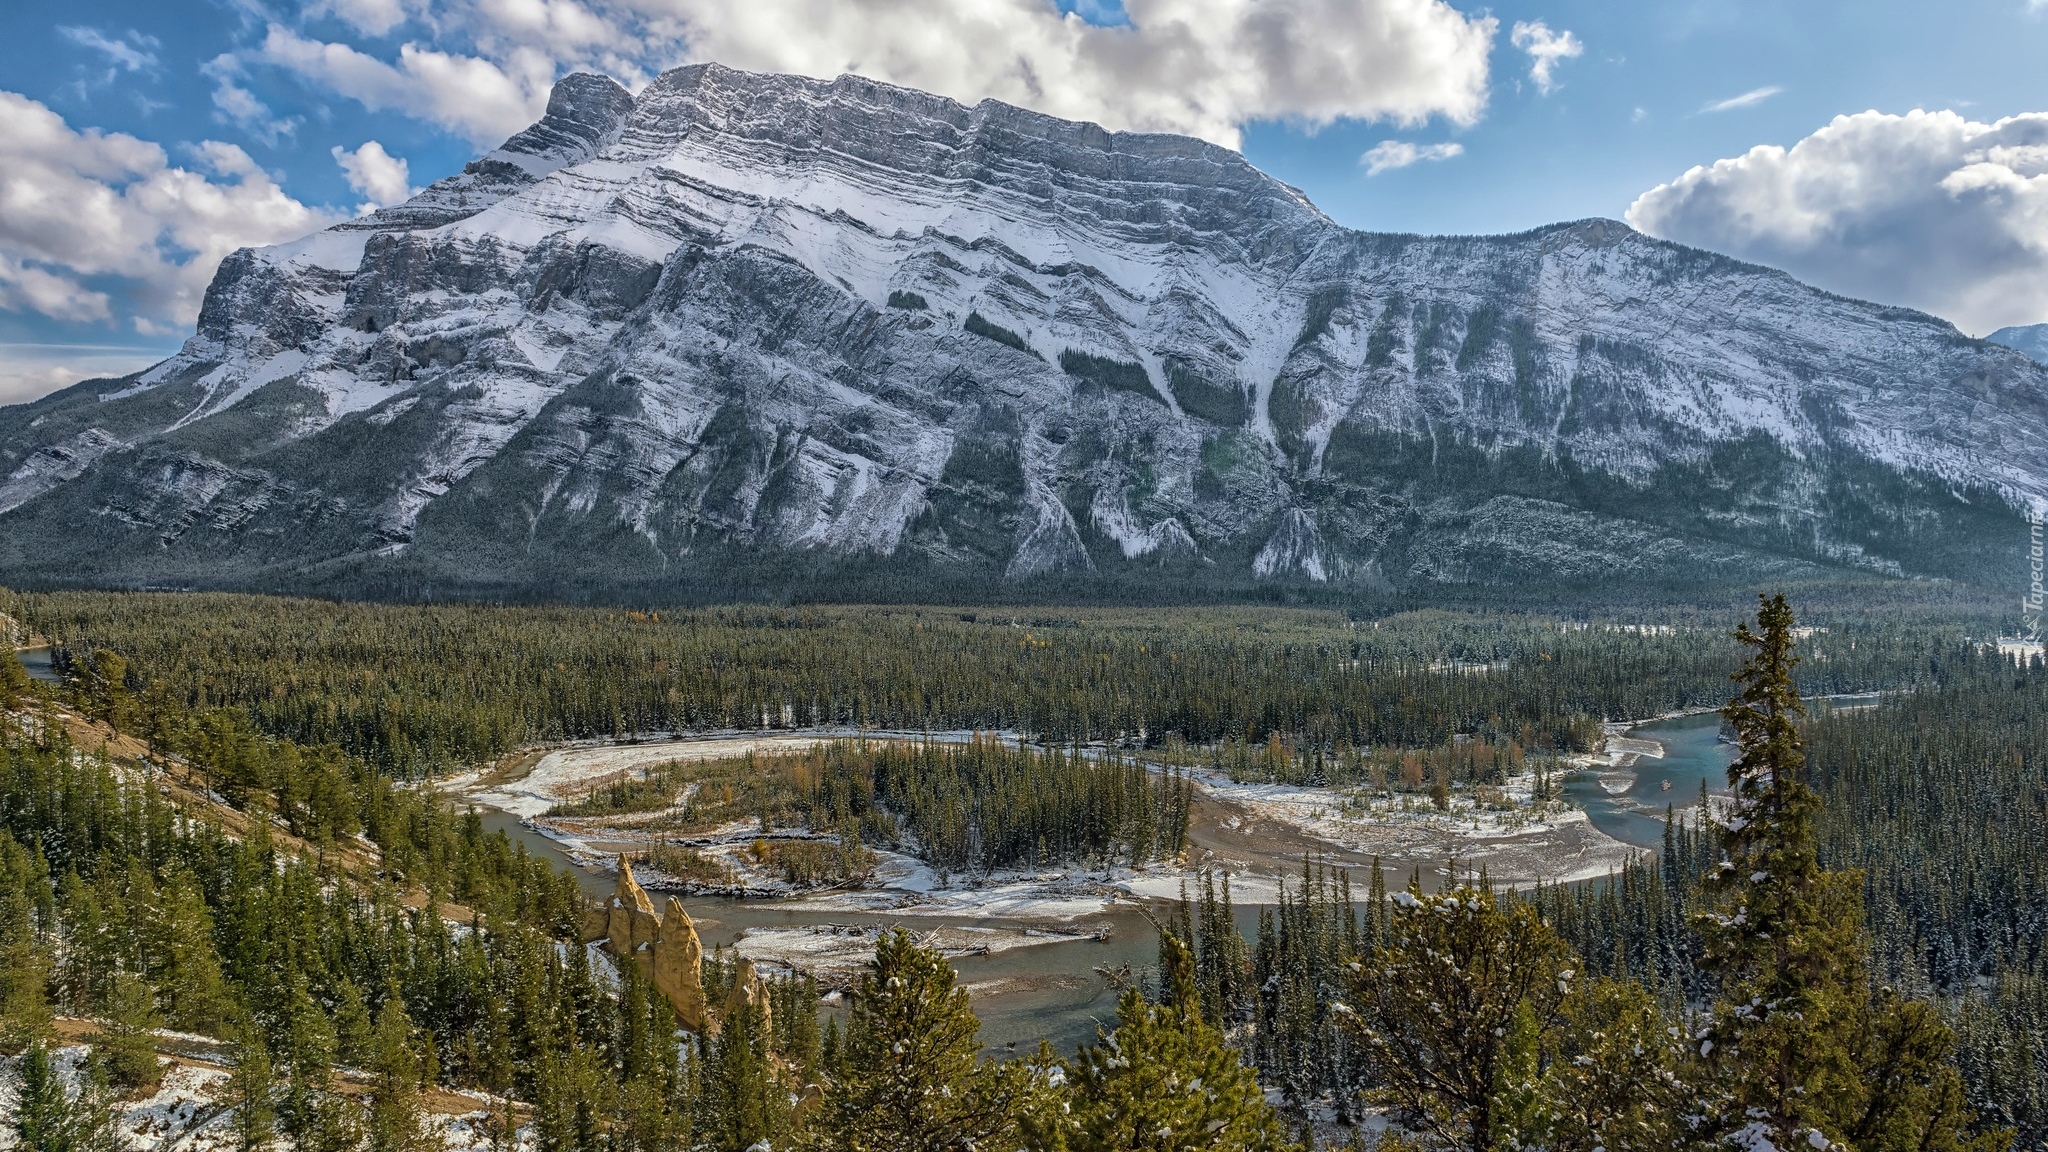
(1452,1005)
(252,1093)
(1798,1052)
(397,1116)
(744,1102)
(912,1080)
(25,1014)
(125,1045)
(47,1119)
(1163,1081)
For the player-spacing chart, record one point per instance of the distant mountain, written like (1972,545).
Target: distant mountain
(751,333)
(2031,339)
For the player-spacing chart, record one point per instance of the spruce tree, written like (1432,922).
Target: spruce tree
(911,1078)
(744,1102)
(25,1014)
(1798,1052)
(47,1119)
(353,1028)
(42,1111)
(1163,1081)
(251,1092)
(397,1118)
(1461,992)
(303,1048)
(14,678)
(125,1045)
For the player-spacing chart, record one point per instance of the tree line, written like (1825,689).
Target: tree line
(416,690)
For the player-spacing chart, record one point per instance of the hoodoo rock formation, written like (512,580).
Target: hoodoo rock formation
(665,946)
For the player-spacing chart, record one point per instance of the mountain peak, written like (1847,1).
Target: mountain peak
(836,330)
(2031,339)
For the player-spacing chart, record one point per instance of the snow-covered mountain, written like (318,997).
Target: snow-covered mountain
(2031,339)
(744,332)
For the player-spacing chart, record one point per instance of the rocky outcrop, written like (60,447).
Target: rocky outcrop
(744,324)
(749,991)
(676,964)
(665,946)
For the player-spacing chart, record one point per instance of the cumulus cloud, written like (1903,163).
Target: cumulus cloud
(1929,209)
(1748,99)
(483,100)
(1388,155)
(376,174)
(1545,49)
(101,226)
(1204,67)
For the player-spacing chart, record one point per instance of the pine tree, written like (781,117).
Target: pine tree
(46,1119)
(251,1093)
(1798,1052)
(397,1118)
(304,1053)
(25,1014)
(14,678)
(42,1111)
(1163,1080)
(185,964)
(1462,989)
(353,1028)
(744,1102)
(125,1045)
(1604,1075)
(911,1079)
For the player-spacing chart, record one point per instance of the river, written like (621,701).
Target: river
(1629,803)
(1054,992)
(1023,995)
(37,661)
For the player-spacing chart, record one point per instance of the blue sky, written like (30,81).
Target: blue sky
(141,141)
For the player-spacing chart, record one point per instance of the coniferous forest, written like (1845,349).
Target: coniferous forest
(214,833)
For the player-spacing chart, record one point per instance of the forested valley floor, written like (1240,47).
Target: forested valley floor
(225,876)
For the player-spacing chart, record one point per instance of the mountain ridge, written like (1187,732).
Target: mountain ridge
(2029,339)
(760,323)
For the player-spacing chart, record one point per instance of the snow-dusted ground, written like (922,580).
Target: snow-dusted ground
(185,1112)
(833,952)
(566,774)
(1259,833)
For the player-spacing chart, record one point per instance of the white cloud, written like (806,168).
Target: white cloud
(1545,49)
(1388,155)
(1930,209)
(370,17)
(1748,99)
(237,105)
(131,53)
(483,100)
(1204,67)
(101,226)
(376,174)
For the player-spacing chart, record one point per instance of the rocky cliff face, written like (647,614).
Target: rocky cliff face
(749,332)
